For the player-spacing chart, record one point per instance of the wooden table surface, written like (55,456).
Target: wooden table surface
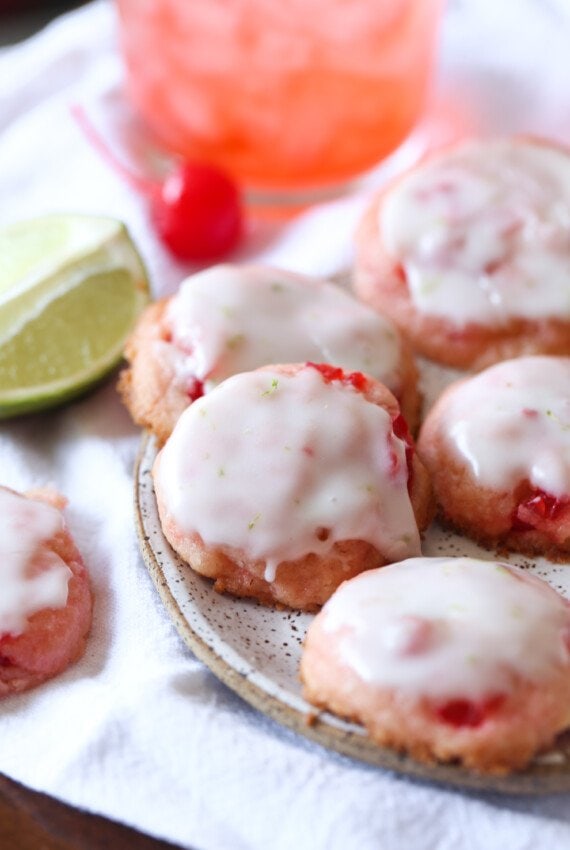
(32,821)
(20,19)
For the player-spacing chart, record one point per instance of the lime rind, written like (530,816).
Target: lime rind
(46,397)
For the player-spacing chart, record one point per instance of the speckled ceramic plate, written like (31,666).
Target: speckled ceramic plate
(256,650)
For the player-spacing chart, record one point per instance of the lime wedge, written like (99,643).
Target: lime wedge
(71,288)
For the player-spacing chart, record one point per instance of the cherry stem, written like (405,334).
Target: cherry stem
(140,184)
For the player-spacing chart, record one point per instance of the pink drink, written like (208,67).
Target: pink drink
(287,94)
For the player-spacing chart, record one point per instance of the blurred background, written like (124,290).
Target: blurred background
(21,18)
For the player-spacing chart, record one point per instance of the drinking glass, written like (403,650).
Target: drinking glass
(290,96)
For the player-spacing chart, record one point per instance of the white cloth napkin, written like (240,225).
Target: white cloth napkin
(139,730)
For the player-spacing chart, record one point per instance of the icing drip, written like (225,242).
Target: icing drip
(280,466)
(231,319)
(32,578)
(512,422)
(482,233)
(448,628)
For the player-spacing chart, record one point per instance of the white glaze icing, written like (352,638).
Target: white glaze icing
(25,524)
(483,232)
(266,459)
(449,627)
(512,422)
(231,319)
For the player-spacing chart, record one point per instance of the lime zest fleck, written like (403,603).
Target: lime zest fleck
(235,341)
(272,388)
(558,420)
(428,286)
(252,523)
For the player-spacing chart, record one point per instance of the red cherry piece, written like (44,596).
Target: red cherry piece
(329,373)
(537,507)
(197,212)
(400,273)
(195,389)
(334,373)
(460,712)
(358,381)
(464,712)
(401,430)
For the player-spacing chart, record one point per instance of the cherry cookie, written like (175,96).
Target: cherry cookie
(231,319)
(45,603)
(469,252)
(497,446)
(446,659)
(283,482)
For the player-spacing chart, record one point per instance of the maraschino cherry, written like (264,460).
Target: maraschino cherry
(196,210)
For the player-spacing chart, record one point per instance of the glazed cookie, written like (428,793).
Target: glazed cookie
(469,253)
(45,603)
(282,482)
(497,446)
(446,659)
(231,319)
